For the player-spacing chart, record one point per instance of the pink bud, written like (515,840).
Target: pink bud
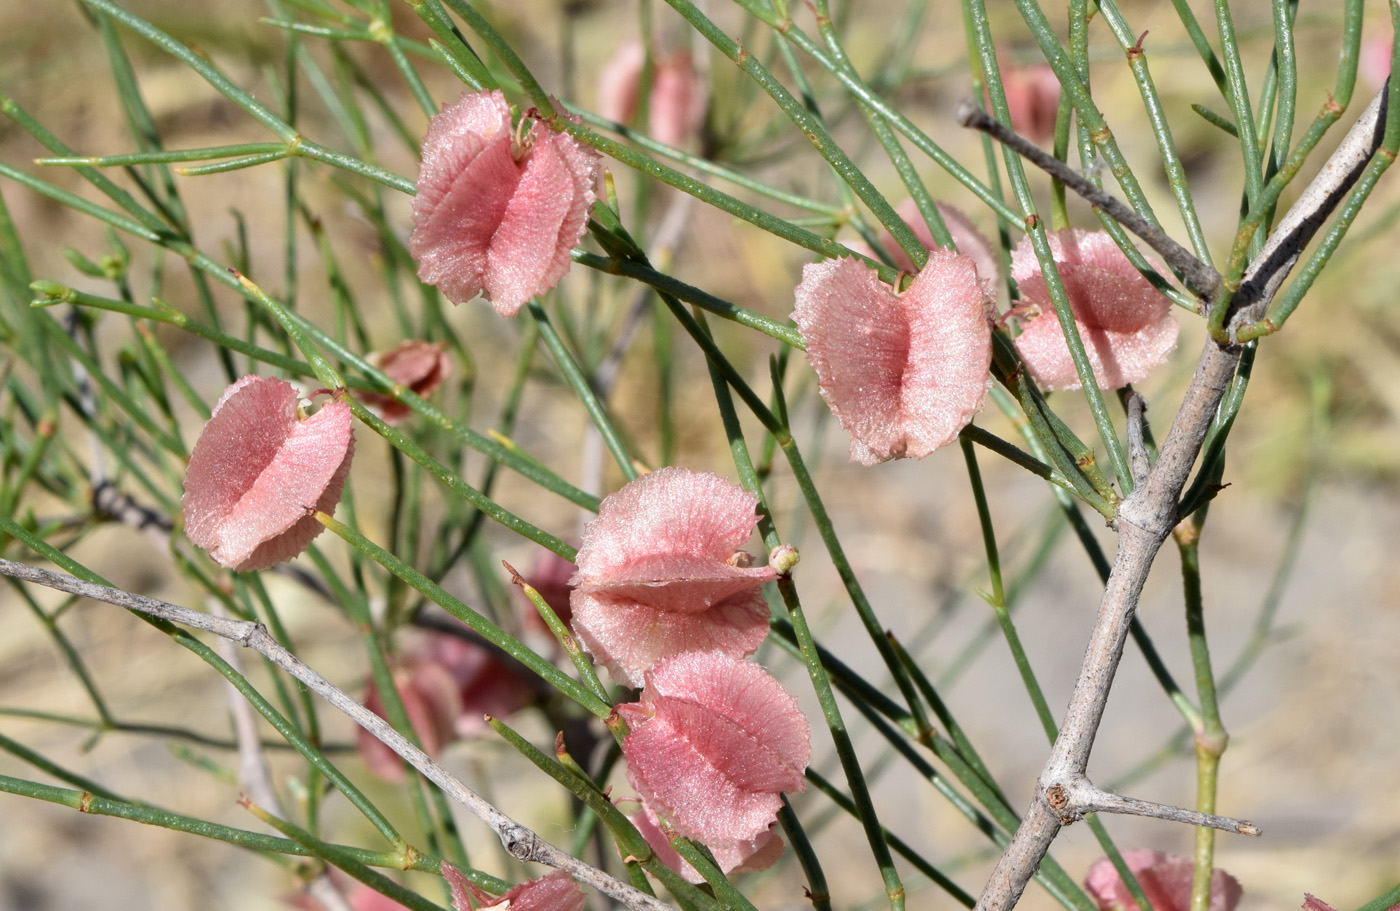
(731,857)
(555,891)
(1125,324)
(258,468)
(420,366)
(498,208)
(904,373)
(1165,880)
(447,685)
(966,237)
(1033,98)
(678,96)
(714,741)
(657,574)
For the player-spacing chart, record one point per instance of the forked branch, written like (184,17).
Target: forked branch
(1145,518)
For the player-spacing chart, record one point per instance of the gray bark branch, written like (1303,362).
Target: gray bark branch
(1146,517)
(522,843)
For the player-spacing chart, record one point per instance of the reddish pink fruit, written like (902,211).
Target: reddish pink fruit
(714,741)
(676,109)
(258,468)
(555,891)
(1033,98)
(904,373)
(498,208)
(660,572)
(1165,880)
(1125,324)
(731,857)
(966,237)
(419,366)
(447,685)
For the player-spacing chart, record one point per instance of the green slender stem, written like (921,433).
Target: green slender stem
(487,629)
(49,767)
(629,840)
(810,126)
(1012,453)
(1061,886)
(826,212)
(899,845)
(1036,230)
(1201,43)
(1286,65)
(1074,88)
(997,599)
(812,497)
(212,658)
(1331,112)
(811,658)
(1216,120)
(1383,901)
(165,156)
(1161,129)
(90,802)
(357,609)
(917,137)
(52,293)
(242,99)
(1322,254)
(579,384)
(1237,95)
(357,870)
(561,631)
(940,709)
(817,891)
(901,232)
(665,284)
(1211,738)
(453,47)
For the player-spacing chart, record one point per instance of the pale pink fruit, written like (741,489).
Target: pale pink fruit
(965,236)
(660,573)
(257,470)
(1165,880)
(1126,324)
(419,366)
(676,109)
(498,208)
(447,685)
(713,743)
(748,856)
(555,891)
(904,373)
(1033,98)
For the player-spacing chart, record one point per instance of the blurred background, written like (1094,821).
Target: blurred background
(1298,555)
